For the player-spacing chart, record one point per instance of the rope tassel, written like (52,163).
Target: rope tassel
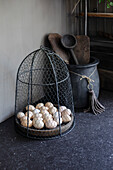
(95,106)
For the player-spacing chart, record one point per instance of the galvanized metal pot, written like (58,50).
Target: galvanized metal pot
(79,75)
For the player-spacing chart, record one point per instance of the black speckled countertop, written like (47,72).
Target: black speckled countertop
(89,146)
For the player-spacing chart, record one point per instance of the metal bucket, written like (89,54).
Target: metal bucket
(78,74)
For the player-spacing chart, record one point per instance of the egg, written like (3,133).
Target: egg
(66,118)
(57,120)
(30,114)
(56,117)
(44,112)
(30,108)
(24,118)
(52,110)
(49,104)
(36,111)
(44,108)
(66,111)
(20,115)
(37,115)
(61,108)
(38,124)
(39,105)
(24,123)
(56,114)
(47,117)
(35,119)
(51,124)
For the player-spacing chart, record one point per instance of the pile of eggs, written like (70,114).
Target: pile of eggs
(44,115)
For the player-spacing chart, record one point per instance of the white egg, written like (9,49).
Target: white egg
(24,123)
(30,114)
(61,108)
(47,117)
(44,108)
(37,118)
(51,124)
(49,104)
(37,115)
(66,118)
(44,112)
(52,110)
(36,111)
(39,105)
(38,124)
(66,111)
(57,120)
(30,108)
(24,118)
(56,114)
(20,115)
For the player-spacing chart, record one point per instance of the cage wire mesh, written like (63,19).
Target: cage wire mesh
(43,77)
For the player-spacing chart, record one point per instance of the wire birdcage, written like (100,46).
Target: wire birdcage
(43,77)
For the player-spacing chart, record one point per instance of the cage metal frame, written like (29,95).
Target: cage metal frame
(48,52)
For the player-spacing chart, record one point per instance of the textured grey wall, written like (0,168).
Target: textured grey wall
(72,21)
(23,25)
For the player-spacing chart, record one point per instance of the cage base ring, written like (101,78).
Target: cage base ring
(44,133)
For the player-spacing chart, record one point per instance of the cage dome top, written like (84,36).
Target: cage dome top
(43,62)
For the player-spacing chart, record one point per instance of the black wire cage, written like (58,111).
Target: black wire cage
(43,100)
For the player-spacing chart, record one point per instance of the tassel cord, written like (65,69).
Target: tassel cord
(88,78)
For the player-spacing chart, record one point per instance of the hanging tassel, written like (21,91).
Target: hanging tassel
(95,106)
